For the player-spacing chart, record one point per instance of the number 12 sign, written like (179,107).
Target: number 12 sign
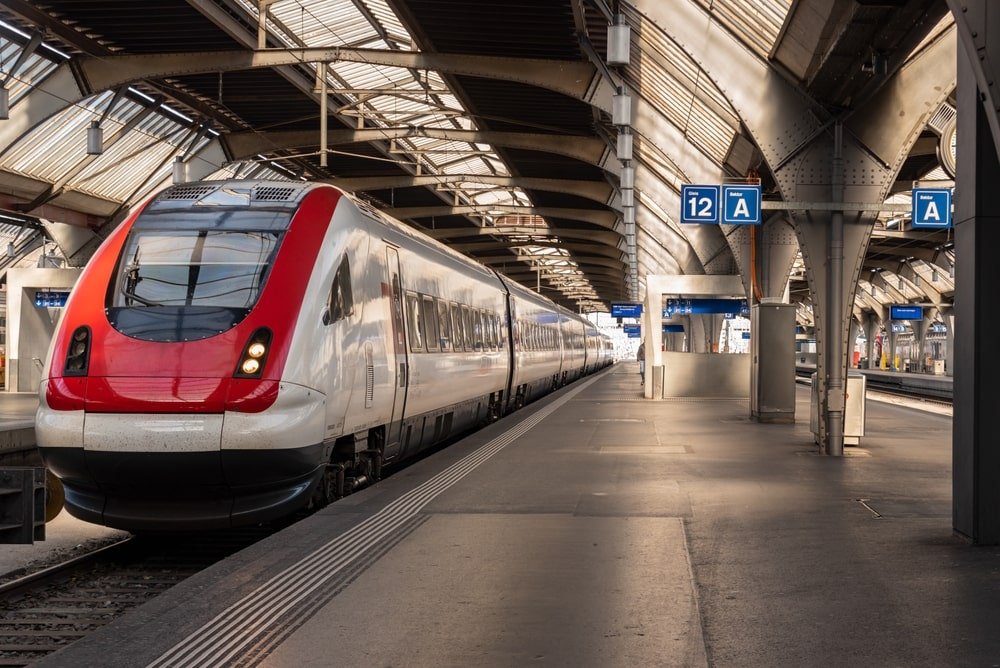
(700,204)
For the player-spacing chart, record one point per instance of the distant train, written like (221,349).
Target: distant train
(239,350)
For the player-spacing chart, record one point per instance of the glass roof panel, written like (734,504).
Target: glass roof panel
(756,22)
(33,71)
(677,87)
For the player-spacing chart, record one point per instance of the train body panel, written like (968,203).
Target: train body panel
(237,350)
(536,347)
(574,345)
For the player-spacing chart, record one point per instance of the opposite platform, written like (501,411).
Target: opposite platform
(595,528)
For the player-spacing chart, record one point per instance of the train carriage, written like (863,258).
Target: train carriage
(238,350)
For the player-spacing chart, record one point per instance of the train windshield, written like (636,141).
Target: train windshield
(176,285)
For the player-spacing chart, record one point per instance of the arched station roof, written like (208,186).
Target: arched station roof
(488,124)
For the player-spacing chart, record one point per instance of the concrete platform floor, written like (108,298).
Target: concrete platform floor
(616,531)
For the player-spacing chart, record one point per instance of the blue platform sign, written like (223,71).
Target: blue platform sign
(700,204)
(49,299)
(741,205)
(704,306)
(632,331)
(673,329)
(626,310)
(931,208)
(906,312)
(745,336)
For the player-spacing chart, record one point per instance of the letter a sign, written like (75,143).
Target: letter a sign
(931,208)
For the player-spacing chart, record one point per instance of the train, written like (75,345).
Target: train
(237,351)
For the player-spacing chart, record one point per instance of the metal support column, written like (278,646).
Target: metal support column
(949,343)
(871,332)
(834,339)
(975,455)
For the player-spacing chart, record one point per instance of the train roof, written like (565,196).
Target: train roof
(272,195)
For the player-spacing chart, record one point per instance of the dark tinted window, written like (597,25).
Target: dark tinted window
(185,285)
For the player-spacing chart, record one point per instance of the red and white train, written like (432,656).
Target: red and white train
(239,350)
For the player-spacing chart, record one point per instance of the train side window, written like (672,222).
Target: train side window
(340,302)
(477,329)
(470,336)
(416,322)
(444,325)
(432,338)
(501,332)
(489,333)
(457,328)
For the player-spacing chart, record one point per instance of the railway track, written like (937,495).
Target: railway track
(46,611)
(893,387)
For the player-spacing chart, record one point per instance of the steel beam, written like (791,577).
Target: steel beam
(602,218)
(487,245)
(606,238)
(576,79)
(592,151)
(597,191)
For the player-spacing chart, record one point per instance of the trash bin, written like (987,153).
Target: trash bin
(854,408)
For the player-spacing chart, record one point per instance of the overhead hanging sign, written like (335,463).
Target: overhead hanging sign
(700,204)
(931,208)
(704,306)
(906,312)
(711,205)
(673,329)
(741,205)
(625,310)
(632,331)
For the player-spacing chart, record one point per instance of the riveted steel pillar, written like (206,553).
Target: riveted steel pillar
(872,327)
(975,455)
(949,343)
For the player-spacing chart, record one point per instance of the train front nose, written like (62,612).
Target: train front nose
(162,471)
(153,471)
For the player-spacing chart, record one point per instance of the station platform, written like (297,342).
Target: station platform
(595,528)
(17,428)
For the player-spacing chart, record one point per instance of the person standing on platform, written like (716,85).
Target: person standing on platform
(640,357)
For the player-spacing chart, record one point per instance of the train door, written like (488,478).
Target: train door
(401,369)
(511,349)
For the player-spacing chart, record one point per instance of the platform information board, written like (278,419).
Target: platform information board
(704,306)
(906,312)
(673,329)
(626,310)
(50,299)
(632,331)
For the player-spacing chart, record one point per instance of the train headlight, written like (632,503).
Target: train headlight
(78,354)
(254,357)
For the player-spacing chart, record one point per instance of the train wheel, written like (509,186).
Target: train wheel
(55,496)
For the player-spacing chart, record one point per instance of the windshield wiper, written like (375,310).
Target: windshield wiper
(130,295)
(129,285)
